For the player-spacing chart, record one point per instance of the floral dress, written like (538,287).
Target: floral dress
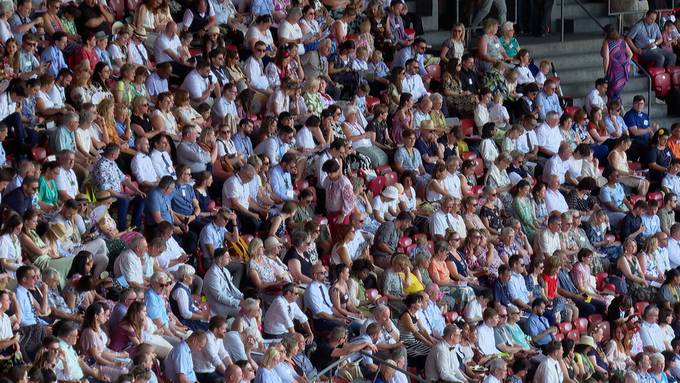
(264,270)
(464,104)
(570,137)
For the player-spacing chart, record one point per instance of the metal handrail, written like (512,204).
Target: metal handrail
(649,86)
(361,352)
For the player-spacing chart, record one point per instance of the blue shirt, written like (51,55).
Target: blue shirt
(212,235)
(155,307)
(55,57)
(65,139)
(179,361)
(282,185)
(3,156)
(639,120)
(548,104)
(243,144)
(25,299)
(641,33)
(182,199)
(613,195)
(518,288)
(156,201)
(407,53)
(536,325)
(610,125)
(262,7)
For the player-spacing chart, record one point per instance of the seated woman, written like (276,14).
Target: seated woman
(363,142)
(262,273)
(93,342)
(629,268)
(449,270)
(340,299)
(436,189)
(43,251)
(182,302)
(129,333)
(413,332)
(59,309)
(618,160)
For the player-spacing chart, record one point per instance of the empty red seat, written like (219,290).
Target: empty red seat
(640,307)
(468,126)
(565,327)
(479,168)
(477,190)
(371,102)
(381,170)
(39,153)
(574,335)
(391,178)
(606,331)
(468,156)
(451,316)
(600,279)
(581,325)
(595,319)
(405,242)
(661,81)
(655,196)
(634,198)
(377,185)
(571,110)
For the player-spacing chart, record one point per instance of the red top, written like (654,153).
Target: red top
(551,285)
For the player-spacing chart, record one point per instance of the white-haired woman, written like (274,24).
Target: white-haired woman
(362,141)
(181,301)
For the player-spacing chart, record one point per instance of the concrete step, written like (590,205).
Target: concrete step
(574,11)
(574,44)
(585,24)
(585,60)
(582,88)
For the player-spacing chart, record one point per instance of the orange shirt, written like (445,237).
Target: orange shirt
(438,271)
(674,146)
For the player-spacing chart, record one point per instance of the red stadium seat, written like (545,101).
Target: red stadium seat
(468,126)
(382,170)
(39,153)
(558,337)
(595,319)
(674,71)
(419,237)
(405,242)
(640,307)
(634,198)
(565,327)
(661,81)
(571,110)
(606,331)
(477,190)
(435,71)
(655,196)
(371,102)
(581,325)
(600,279)
(451,316)
(574,335)
(377,185)
(468,156)
(391,178)
(479,168)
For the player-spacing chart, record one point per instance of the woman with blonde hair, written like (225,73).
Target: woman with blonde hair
(454,46)
(184,113)
(270,360)
(648,262)
(312,97)
(262,273)
(618,160)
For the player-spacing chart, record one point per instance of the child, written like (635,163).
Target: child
(511,77)
(28,106)
(543,72)
(362,92)
(670,36)
(121,114)
(365,37)
(183,52)
(499,115)
(360,63)
(377,73)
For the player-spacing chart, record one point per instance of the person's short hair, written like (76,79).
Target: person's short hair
(537,302)
(330,166)
(165,182)
(489,313)
(552,347)
(373,329)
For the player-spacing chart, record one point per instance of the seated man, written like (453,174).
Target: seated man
(107,176)
(33,328)
(278,320)
(237,196)
(222,293)
(644,38)
(215,235)
(281,177)
(179,364)
(170,327)
(129,263)
(142,166)
(318,300)
(538,326)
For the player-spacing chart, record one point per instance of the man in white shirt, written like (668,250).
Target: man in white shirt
(559,164)
(451,181)
(388,340)
(166,48)
(276,145)
(413,82)
(444,219)
(137,53)
(210,363)
(253,68)
(527,142)
(142,166)
(671,182)
(431,313)
(236,195)
(173,256)
(67,183)
(290,31)
(595,97)
(278,320)
(129,263)
(548,241)
(160,157)
(548,135)
(554,199)
(441,364)
(674,246)
(199,84)
(486,340)
(549,371)
(318,300)
(225,105)
(650,332)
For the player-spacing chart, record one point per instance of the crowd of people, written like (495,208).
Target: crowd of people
(253,190)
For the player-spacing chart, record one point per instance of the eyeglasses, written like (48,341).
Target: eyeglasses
(166,284)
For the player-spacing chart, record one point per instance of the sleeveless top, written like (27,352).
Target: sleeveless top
(199,21)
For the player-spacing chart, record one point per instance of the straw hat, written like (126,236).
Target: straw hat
(587,341)
(59,230)
(390,192)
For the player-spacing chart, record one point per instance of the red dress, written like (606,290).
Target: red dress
(551,285)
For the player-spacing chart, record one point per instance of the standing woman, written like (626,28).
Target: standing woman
(616,56)
(340,198)
(403,118)
(523,209)
(454,46)
(394,90)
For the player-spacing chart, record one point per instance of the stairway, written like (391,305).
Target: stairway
(578,61)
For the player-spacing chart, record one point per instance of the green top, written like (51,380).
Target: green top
(47,191)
